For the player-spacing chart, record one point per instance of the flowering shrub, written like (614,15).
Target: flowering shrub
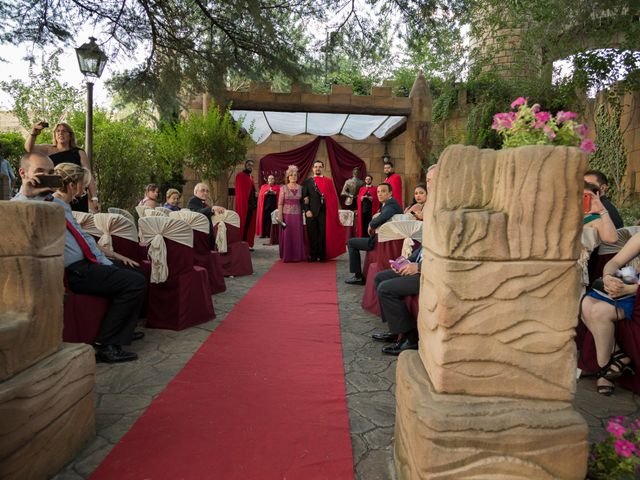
(530,126)
(617,456)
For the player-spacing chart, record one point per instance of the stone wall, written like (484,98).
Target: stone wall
(46,386)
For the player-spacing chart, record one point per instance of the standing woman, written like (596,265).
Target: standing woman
(65,150)
(290,213)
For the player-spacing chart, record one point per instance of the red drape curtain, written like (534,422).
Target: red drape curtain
(341,160)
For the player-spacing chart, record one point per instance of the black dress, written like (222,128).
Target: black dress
(72,156)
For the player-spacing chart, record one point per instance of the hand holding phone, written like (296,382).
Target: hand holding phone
(398,263)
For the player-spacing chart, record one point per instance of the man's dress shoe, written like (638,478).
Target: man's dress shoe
(399,347)
(113,354)
(137,335)
(354,281)
(385,337)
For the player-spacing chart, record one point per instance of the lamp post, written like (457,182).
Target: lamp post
(91,61)
(386,158)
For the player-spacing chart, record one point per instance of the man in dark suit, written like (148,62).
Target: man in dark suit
(392,286)
(390,207)
(198,203)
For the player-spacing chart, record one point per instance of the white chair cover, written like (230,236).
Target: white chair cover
(408,230)
(140,209)
(590,241)
(164,211)
(274,217)
(152,212)
(399,217)
(86,222)
(195,220)
(114,224)
(346,217)
(124,213)
(154,230)
(230,217)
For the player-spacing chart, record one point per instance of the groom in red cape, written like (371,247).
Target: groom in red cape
(246,203)
(320,206)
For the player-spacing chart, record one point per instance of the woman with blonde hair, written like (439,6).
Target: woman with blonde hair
(65,150)
(290,218)
(172,200)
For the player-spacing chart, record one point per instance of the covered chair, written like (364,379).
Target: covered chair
(140,210)
(152,212)
(119,235)
(179,295)
(122,212)
(82,316)
(86,222)
(203,257)
(235,256)
(165,211)
(395,238)
(274,238)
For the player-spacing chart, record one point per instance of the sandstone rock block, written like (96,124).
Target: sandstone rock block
(36,229)
(47,413)
(459,436)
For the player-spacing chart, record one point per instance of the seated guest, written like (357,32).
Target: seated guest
(151,194)
(89,271)
(198,203)
(390,207)
(419,199)
(173,199)
(598,217)
(601,310)
(599,179)
(392,286)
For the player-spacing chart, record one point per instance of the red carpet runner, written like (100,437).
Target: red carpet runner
(263,398)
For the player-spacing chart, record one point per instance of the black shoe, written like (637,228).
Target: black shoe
(113,354)
(354,281)
(311,259)
(385,337)
(397,348)
(137,335)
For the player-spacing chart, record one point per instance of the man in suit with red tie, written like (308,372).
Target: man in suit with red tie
(89,271)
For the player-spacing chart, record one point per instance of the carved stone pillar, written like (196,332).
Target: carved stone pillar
(417,143)
(488,395)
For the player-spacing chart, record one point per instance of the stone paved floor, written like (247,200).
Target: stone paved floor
(125,391)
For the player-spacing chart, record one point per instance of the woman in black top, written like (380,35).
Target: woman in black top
(65,150)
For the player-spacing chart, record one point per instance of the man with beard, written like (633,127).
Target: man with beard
(368,204)
(394,180)
(246,203)
(320,207)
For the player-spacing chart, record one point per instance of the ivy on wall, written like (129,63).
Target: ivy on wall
(611,155)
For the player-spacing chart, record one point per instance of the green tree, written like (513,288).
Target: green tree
(210,144)
(11,149)
(43,96)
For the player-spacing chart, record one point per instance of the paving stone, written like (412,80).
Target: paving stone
(379,438)
(358,424)
(114,432)
(374,365)
(368,382)
(105,420)
(358,448)
(378,407)
(92,456)
(68,475)
(376,465)
(122,403)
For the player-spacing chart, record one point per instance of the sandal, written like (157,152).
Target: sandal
(616,367)
(606,390)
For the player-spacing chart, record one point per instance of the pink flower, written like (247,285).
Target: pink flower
(581,130)
(518,101)
(503,120)
(587,145)
(543,116)
(624,448)
(565,116)
(615,429)
(550,133)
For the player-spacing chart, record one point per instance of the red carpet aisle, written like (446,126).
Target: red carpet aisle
(263,398)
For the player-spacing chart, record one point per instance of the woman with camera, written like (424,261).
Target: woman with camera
(65,150)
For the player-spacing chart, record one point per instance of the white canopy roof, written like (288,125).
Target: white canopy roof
(353,126)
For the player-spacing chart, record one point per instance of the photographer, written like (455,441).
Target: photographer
(65,150)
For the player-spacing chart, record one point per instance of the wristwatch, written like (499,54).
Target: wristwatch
(94,199)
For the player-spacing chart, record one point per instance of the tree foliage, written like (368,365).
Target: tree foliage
(210,144)
(43,96)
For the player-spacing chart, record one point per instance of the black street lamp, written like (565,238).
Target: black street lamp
(91,61)
(386,158)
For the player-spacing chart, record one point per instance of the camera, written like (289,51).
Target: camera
(44,124)
(50,181)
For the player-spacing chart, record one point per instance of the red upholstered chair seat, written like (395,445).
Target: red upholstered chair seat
(83,316)
(210,261)
(184,299)
(628,339)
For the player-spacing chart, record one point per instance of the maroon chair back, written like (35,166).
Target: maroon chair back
(128,248)
(180,258)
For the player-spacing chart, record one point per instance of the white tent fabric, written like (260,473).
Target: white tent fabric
(154,230)
(353,126)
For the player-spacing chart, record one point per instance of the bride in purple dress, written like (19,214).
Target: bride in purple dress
(290,212)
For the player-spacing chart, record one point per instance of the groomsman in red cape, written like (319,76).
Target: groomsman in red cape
(394,180)
(267,203)
(320,206)
(246,202)
(368,204)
